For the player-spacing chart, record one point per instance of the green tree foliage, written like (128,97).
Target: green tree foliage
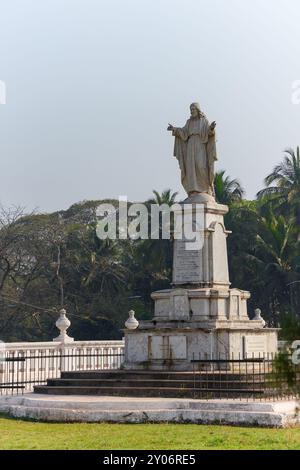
(227,190)
(283,188)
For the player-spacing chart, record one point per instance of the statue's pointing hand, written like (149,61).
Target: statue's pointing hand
(170,127)
(213,125)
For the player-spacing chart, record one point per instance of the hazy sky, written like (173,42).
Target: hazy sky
(92,85)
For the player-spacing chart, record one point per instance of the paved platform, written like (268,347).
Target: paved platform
(113,409)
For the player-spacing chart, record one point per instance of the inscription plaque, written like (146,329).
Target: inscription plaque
(255,345)
(167,347)
(187,264)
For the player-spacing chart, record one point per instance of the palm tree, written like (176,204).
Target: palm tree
(152,259)
(166,197)
(97,263)
(227,190)
(273,262)
(284,196)
(274,245)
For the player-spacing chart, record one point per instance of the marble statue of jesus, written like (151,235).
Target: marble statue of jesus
(195,149)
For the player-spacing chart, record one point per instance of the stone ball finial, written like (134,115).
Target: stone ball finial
(62,324)
(131,323)
(258,317)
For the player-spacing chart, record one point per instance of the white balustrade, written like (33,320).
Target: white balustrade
(44,360)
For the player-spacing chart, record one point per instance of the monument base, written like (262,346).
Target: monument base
(174,348)
(200,317)
(202,323)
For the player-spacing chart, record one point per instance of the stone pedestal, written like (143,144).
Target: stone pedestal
(206,265)
(200,315)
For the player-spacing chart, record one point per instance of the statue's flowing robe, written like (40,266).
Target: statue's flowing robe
(195,149)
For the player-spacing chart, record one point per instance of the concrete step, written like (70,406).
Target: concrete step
(159,375)
(155,383)
(130,403)
(146,391)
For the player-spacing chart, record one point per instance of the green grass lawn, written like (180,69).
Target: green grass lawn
(17,434)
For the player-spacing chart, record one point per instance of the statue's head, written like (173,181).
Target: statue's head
(195,110)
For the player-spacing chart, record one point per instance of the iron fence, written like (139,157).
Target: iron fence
(261,377)
(20,372)
(270,377)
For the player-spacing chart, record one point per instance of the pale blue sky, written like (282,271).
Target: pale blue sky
(92,85)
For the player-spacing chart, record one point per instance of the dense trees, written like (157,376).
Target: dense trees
(50,260)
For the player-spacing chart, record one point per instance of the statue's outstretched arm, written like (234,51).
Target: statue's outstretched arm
(180,132)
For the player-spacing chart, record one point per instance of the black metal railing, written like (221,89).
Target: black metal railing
(19,372)
(270,377)
(262,377)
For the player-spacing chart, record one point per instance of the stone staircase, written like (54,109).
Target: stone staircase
(136,383)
